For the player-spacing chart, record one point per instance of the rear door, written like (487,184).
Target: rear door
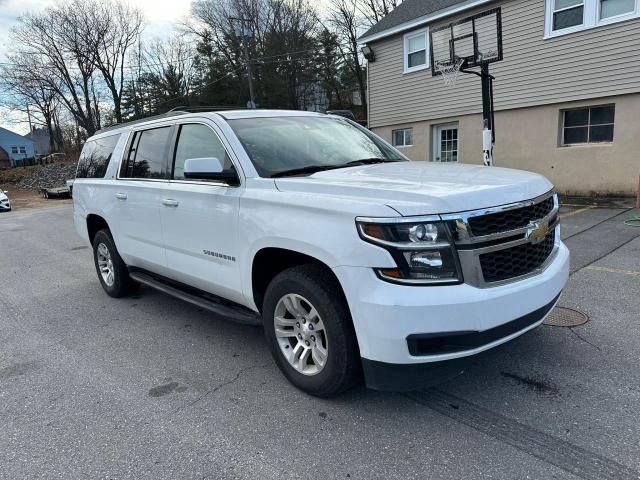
(138,193)
(200,218)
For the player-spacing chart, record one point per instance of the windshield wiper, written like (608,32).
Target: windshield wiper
(368,161)
(309,169)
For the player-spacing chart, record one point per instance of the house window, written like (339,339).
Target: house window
(567,13)
(402,137)
(23,150)
(567,16)
(416,51)
(588,125)
(613,8)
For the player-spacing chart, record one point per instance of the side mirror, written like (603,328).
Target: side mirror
(208,168)
(5,191)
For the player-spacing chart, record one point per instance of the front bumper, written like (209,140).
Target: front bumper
(386,316)
(5,206)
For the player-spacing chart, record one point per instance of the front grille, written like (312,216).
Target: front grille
(510,219)
(516,261)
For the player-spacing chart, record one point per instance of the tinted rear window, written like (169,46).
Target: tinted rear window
(147,154)
(95,157)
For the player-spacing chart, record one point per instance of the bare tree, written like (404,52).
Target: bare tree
(55,39)
(375,10)
(112,29)
(27,89)
(347,22)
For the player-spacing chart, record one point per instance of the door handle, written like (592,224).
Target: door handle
(121,196)
(170,202)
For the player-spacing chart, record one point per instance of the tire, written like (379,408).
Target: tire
(120,284)
(312,286)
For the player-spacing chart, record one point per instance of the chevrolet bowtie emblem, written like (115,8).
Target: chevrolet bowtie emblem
(537,232)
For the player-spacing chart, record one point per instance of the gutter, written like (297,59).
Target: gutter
(425,19)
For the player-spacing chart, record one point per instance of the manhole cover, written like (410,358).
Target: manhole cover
(566,317)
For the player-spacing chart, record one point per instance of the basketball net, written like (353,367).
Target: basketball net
(449,70)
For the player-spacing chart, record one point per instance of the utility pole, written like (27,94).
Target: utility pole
(29,117)
(244,36)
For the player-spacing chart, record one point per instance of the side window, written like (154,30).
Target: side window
(95,157)
(146,154)
(198,141)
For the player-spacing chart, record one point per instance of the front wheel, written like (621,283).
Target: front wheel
(309,330)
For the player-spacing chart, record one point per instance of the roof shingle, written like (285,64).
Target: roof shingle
(410,10)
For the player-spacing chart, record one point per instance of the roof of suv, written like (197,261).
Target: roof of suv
(226,114)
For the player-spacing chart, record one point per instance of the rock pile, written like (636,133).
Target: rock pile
(49,176)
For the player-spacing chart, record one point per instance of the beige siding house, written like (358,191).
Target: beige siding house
(567,93)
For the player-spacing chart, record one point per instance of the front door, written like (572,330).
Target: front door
(445,143)
(200,218)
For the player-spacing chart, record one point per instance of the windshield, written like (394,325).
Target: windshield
(297,145)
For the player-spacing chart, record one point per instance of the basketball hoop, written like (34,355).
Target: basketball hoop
(449,70)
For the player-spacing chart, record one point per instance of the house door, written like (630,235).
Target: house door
(445,143)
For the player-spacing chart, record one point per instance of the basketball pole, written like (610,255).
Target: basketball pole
(488,131)
(488,116)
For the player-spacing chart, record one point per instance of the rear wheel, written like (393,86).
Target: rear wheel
(112,271)
(310,332)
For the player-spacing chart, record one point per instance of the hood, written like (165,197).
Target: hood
(3,196)
(424,188)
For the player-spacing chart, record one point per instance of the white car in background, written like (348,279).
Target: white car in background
(5,203)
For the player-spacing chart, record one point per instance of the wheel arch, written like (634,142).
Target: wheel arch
(95,223)
(268,262)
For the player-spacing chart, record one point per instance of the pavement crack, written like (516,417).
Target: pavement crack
(585,340)
(219,387)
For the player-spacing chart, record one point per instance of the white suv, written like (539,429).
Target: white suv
(355,260)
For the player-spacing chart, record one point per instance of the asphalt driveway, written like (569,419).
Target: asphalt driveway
(151,387)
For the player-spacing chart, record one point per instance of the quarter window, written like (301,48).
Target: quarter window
(146,156)
(403,137)
(95,157)
(416,51)
(198,141)
(588,125)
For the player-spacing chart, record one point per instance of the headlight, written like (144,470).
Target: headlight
(423,251)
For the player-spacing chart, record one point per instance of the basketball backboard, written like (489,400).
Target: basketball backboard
(469,42)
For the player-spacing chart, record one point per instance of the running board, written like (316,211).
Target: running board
(223,308)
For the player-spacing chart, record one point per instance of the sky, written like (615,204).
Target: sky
(161,17)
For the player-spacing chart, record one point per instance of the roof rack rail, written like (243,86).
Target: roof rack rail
(206,108)
(171,113)
(179,110)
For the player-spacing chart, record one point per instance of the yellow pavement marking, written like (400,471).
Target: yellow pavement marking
(575,212)
(614,270)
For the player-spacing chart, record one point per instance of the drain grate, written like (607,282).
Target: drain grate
(566,317)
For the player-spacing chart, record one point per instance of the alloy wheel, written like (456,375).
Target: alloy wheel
(300,333)
(105,264)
